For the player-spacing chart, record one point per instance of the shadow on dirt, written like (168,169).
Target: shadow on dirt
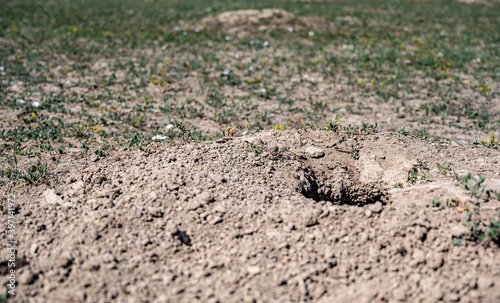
(339,187)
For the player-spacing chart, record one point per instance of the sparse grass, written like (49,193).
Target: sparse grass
(445,167)
(112,74)
(34,172)
(479,229)
(419,171)
(493,231)
(435,202)
(256,148)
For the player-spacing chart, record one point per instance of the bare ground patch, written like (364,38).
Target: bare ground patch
(109,229)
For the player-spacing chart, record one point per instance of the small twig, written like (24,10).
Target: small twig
(84,186)
(456,175)
(297,157)
(269,149)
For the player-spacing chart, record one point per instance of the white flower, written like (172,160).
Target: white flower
(177,28)
(311,33)
(266,43)
(208,9)
(290,29)
(226,72)
(227,38)
(250,68)
(197,30)
(41,62)
(251,42)
(158,138)
(262,90)
(344,46)
(236,56)
(245,132)
(170,126)
(185,33)
(20,101)
(164,47)
(35,104)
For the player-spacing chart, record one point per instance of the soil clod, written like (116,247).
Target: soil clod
(184,238)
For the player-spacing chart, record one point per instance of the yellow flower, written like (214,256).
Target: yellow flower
(33,114)
(360,80)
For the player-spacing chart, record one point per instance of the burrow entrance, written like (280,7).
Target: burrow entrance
(339,186)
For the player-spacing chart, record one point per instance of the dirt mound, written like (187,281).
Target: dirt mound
(278,216)
(482,2)
(249,21)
